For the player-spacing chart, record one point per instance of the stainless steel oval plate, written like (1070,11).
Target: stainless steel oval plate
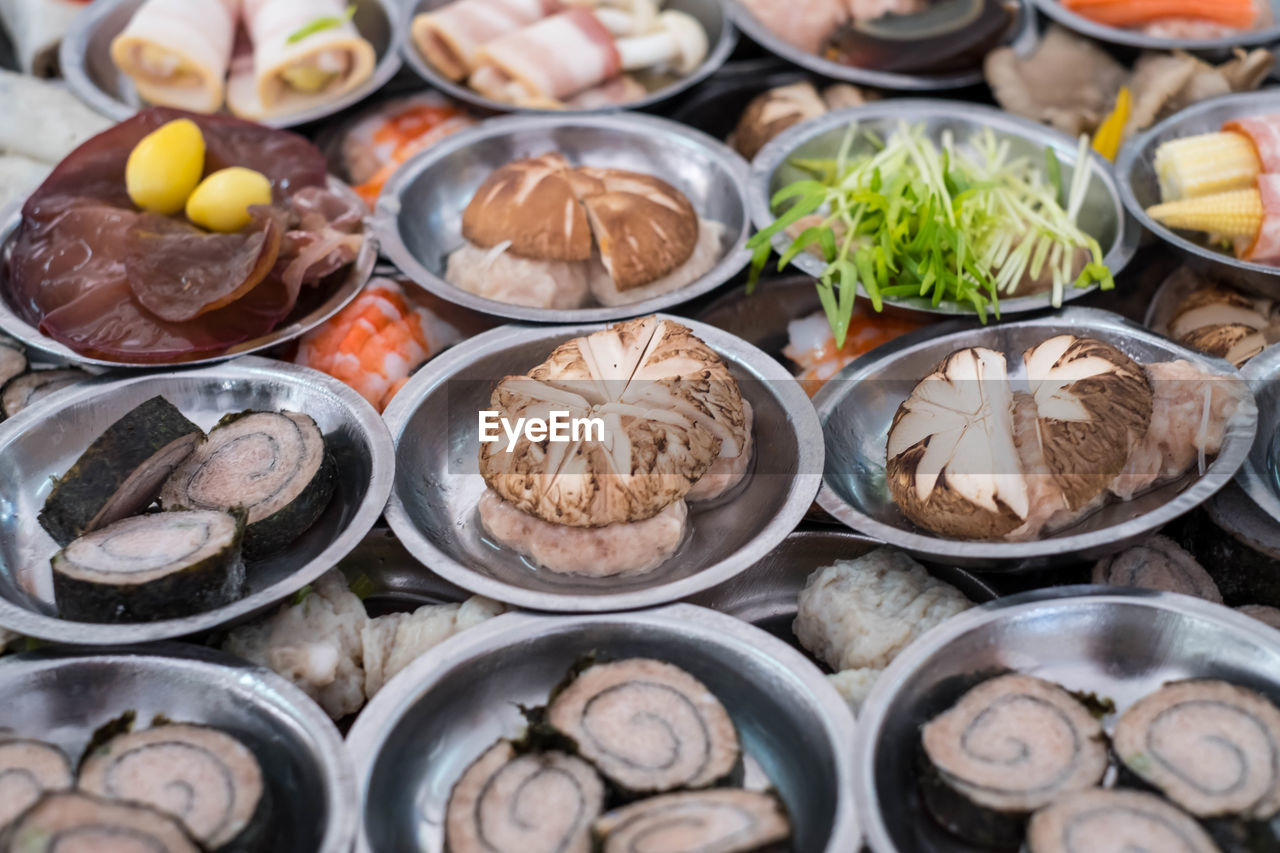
(1260,474)
(1102,214)
(857,407)
(1139,187)
(46,439)
(60,697)
(85,57)
(1135,38)
(291,329)
(1021,39)
(721,39)
(438,484)
(415,737)
(419,214)
(1120,645)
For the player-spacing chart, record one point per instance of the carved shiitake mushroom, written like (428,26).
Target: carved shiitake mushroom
(533,203)
(1235,342)
(1216,305)
(952,465)
(1094,405)
(772,112)
(669,404)
(645,227)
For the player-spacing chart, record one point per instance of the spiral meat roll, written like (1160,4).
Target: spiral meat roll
(1211,747)
(647,726)
(71,822)
(1115,821)
(205,778)
(28,768)
(725,821)
(1016,743)
(505,803)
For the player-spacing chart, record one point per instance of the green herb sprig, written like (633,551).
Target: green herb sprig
(319,25)
(911,218)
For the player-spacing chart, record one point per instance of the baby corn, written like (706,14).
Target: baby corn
(1206,164)
(1238,213)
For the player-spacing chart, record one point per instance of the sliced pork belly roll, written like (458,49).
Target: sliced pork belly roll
(1016,743)
(647,726)
(159,566)
(121,472)
(723,821)
(177,52)
(1115,821)
(29,768)
(506,803)
(273,465)
(1211,747)
(73,822)
(205,778)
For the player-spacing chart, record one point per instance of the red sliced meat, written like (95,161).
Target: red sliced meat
(1265,246)
(1264,132)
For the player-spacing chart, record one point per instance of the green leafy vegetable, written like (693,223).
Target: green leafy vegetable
(319,25)
(906,217)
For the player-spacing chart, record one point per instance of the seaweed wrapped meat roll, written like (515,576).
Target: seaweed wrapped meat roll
(273,465)
(28,768)
(1009,746)
(725,821)
(159,566)
(506,803)
(13,362)
(74,821)
(1115,821)
(204,777)
(647,726)
(1211,747)
(30,388)
(121,472)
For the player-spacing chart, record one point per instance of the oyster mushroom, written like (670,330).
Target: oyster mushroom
(670,407)
(953,466)
(1094,405)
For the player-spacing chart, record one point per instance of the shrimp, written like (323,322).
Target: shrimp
(379,144)
(812,346)
(379,340)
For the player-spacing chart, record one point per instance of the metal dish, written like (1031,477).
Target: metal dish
(1115,232)
(1139,40)
(863,398)
(295,327)
(86,62)
(1122,645)
(419,214)
(391,580)
(721,39)
(1022,38)
(61,696)
(437,482)
(418,734)
(1139,188)
(765,594)
(1260,474)
(47,439)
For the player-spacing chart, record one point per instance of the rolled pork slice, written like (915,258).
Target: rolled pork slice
(1264,247)
(272,465)
(206,778)
(29,768)
(648,726)
(451,37)
(725,821)
(121,472)
(13,361)
(1115,821)
(536,803)
(1211,747)
(1157,563)
(36,29)
(30,388)
(72,821)
(1264,132)
(1016,743)
(159,566)
(305,53)
(549,61)
(177,52)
